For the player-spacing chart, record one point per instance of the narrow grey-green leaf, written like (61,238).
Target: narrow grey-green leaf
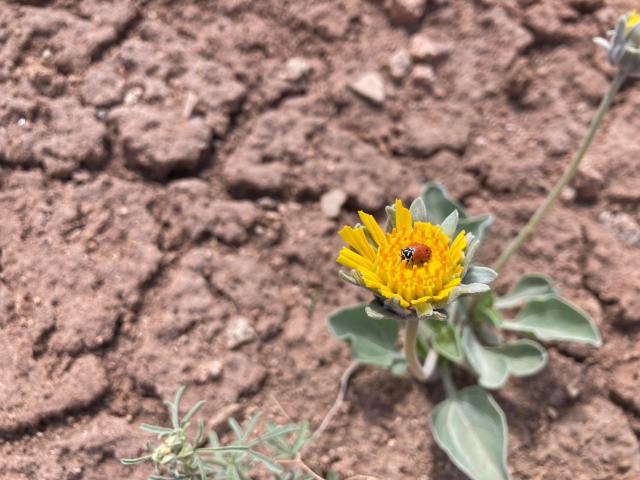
(529,287)
(372,341)
(472,430)
(155,429)
(552,318)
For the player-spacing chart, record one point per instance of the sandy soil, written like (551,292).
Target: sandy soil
(163,171)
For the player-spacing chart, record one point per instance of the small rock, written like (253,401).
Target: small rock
(623,226)
(400,64)
(423,76)
(588,184)
(133,95)
(208,372)
(425,49)
(215,370)
(331,203)
(573,390)
(370,86)
(297,69)
(568,194)
(239,332)
(406,12)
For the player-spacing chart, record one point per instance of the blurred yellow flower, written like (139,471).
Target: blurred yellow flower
(633,19)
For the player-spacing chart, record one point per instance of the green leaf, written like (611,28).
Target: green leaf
(492,368)
(477,225)
(271,465)
(529,287)
(494,364)
(440,205)
(472,430)
(552,318)
(372,341)
(135,461)
(161,431)
(478,274)
(525,357)
(484,311)
(191,413)
(447,342)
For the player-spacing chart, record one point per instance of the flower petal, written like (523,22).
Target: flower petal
(351,259)
(356,238)
(373,228)
(403,216)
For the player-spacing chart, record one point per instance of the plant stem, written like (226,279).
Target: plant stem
(430,364)
(342,393)
(568,174)
(410,354)
(447,380)
(298,461)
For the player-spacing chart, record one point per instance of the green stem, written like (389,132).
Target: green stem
(447,380)
(568,174)
(410,354)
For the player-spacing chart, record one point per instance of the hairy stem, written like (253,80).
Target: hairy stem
(410,354)
(568,174)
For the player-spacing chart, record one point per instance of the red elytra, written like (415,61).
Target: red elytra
(416,252)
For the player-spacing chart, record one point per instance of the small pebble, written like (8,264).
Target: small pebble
(400,64)
(331,203)
(297,69)
(425,49)
(239,332)
(370,86)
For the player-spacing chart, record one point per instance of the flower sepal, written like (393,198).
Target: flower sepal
(623,46)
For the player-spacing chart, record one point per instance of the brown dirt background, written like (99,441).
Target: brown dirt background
(161,170)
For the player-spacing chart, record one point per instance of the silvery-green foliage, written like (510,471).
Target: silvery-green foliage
(623,46)
(476,334)
(471,428)
(180,457)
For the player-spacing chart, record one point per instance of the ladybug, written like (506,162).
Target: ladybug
(416,252)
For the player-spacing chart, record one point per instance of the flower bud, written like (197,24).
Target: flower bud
(623,46)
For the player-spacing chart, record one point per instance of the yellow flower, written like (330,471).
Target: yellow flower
(633,19)
(377,263)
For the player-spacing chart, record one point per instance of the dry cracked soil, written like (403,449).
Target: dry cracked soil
(172,177)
